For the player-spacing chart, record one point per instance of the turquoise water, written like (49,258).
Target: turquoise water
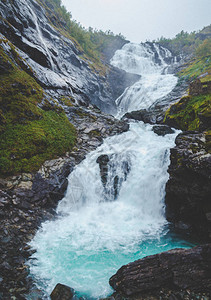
(88,273)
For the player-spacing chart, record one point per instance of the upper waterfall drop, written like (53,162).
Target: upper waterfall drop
(151,61)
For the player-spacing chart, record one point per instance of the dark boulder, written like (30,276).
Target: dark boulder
(178,269)
(103,160)
(141,115)
(62,292)
(162,129)
(114,170)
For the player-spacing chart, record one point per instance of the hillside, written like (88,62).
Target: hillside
(185,43)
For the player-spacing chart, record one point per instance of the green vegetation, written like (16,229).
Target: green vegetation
(197,67)
(29,135)
(90,43)
(188,43)
(190,113)
(68,101)
(204,49)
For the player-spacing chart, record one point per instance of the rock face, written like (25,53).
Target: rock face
(112,176)
(188,191)
(55,61)
(177,269)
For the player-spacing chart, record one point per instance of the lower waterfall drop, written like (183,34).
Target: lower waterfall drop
(93,235)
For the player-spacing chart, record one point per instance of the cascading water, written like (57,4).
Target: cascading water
(113,211)
(149,61)
(40,36)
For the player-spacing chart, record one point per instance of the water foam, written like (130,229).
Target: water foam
(92,238)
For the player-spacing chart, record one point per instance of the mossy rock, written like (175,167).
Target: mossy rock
(29,134)
(190,113)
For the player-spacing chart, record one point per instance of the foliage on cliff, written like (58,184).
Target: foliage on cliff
(199,67)
(186,43)
(193,112)
(29,135)
(91,42)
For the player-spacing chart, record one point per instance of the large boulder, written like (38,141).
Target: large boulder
(178,269)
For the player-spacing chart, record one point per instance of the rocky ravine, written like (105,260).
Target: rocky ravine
(28,199)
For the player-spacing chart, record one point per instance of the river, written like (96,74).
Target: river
(103,224)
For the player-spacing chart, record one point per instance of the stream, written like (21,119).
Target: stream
(106,222)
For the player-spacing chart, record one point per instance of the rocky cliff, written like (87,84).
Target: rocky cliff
(43,70)
(56,61)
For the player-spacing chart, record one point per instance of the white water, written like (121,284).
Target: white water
(154,83)
(95,235)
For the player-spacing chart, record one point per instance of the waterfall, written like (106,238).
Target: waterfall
(43,43)
(149,61)
(113,211)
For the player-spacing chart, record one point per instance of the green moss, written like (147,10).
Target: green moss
(24,147)
(196,68)
(29,135)
(190,113)
(68,101)
(90,43)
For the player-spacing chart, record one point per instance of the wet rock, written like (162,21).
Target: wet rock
(140,115)
(113,171)
(178,269)
(23,206)
(188,191)
(103,160)
(62,292)
(162,129)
